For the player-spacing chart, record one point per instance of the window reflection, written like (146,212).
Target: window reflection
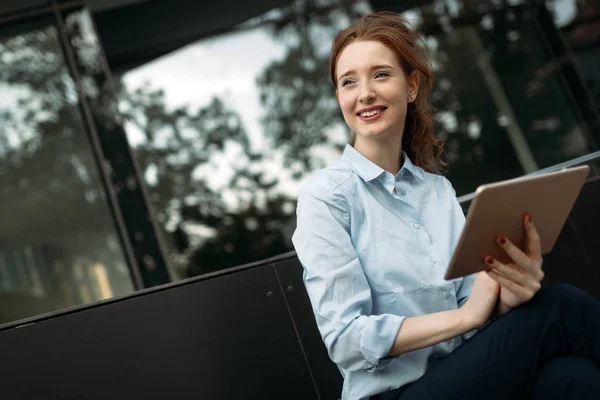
(58,247)
(228,128)
(579,23)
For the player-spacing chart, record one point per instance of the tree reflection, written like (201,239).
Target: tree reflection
(245,227)
(245,216)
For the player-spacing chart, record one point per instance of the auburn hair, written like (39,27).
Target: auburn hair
(394,31)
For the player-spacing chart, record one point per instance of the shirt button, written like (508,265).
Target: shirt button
(432,259)
(417,226)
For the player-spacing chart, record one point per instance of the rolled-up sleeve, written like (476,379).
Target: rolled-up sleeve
(336,283)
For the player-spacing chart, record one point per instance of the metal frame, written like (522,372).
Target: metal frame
(120,174)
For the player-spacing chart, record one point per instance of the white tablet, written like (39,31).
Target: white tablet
(500,208)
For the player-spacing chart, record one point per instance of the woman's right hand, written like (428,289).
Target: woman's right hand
(482,301)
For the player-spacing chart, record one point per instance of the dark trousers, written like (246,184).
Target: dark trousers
(548,348)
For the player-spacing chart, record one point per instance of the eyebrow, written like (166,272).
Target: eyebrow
(350,72)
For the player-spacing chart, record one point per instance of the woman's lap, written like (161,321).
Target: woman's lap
(502,360)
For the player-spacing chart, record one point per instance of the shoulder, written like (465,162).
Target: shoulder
(439,182)
(328,183)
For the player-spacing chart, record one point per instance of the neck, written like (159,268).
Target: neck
(386,154)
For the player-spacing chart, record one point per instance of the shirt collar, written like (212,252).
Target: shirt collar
(368,170)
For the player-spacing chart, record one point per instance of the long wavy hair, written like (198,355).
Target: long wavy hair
(394,31)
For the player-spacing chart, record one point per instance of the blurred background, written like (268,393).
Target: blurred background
(148,141)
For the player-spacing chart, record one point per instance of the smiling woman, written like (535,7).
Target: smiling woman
(375,231)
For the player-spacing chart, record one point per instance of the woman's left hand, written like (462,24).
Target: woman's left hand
(520,280)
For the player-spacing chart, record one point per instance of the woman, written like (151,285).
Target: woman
(375,233)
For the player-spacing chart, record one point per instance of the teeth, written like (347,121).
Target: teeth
(370,113)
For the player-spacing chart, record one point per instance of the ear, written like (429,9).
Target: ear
(412,84)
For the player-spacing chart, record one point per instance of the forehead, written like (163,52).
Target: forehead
(361,55)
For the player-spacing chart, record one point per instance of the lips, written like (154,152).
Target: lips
(371,113)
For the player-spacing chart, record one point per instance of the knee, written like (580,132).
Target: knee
(560,290)
(570,368)
(567,377)
(561,293)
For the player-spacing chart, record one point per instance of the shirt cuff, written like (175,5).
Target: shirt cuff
(470,334)
(378,337)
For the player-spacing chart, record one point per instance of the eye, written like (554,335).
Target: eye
(381,75)
(346,82)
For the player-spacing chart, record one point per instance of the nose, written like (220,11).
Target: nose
(366,94)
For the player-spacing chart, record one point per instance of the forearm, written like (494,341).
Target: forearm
(426,330)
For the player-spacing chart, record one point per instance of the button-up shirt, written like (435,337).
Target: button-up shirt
(375,248)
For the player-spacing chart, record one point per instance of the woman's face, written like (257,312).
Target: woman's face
(373,90)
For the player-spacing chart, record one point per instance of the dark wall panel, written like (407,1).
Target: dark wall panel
(586,215)
(574,258)
(228,337)
(325,373)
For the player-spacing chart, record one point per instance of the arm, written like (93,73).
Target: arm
(336,284)
(427,330)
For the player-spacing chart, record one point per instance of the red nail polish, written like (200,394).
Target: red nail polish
(489,260)
(501,239)
(529,218)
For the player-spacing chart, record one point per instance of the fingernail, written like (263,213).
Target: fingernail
(489,260)
(529,218)
(501,239)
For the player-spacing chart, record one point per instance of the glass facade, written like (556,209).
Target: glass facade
(58,246)
(191,158)
(241,119)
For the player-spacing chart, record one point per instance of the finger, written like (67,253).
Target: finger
(534,244)
(515,274)
(522,293)
(516,254)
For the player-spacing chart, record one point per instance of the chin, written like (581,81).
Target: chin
(371,132)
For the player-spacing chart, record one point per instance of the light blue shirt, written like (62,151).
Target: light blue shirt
(375,248)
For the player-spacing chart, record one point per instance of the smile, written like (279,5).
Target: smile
(371,113)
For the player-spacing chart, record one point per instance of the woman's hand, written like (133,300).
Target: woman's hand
(520,280)
(482,301)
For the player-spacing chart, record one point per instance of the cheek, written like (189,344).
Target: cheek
(347,106)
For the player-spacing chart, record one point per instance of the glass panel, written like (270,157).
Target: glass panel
(227,128)
(58,245)
(579,24)
(503,106)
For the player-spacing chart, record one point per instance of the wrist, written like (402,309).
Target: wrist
(466,320)
(501,309)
